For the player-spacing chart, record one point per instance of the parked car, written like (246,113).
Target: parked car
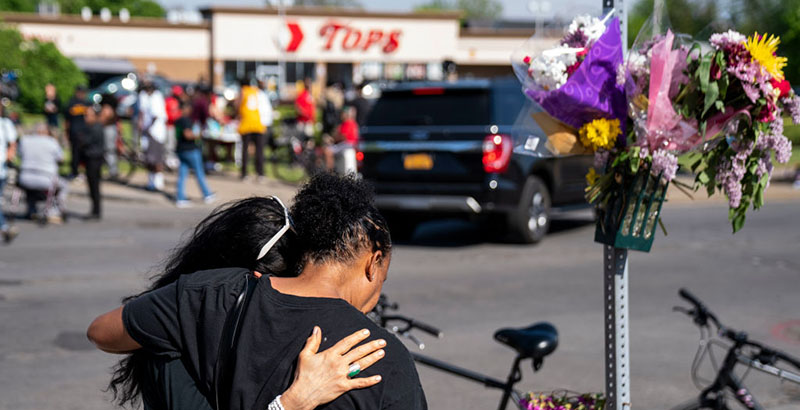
(125,89)
(469,148)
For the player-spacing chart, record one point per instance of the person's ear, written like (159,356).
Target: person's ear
(373,263)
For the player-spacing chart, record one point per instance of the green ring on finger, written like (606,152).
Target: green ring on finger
(354,370)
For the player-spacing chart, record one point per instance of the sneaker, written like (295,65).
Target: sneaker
(55,219)
(210,199)
(182,203)
(10,233)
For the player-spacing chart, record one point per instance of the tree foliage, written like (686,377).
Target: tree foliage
(479,9)
(37,63)
(699,17)
(143,8)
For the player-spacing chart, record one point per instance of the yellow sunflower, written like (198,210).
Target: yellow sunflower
(763,49)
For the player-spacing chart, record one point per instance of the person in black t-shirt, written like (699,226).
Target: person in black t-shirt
(346,251)
(90,153)
(75,126)
(234,235)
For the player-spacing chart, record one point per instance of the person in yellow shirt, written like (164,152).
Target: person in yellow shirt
(251,128)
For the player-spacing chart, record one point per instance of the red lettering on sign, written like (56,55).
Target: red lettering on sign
(351,39)
(393,43)
(328,31)
(373,37)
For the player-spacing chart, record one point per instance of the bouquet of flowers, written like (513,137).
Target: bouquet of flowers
(724,102)
(738,97)
(574,82)
(563,401)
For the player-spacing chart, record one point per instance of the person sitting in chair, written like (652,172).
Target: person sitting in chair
(40,156)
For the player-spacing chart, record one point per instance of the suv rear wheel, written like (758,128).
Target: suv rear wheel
(530,222)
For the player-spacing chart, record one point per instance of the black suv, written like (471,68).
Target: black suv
(467,148)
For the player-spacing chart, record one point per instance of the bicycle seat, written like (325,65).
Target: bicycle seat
(535,341)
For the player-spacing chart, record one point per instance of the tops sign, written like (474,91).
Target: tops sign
(348,38)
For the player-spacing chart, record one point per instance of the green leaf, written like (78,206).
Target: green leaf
(634,165)
(712,94)
(704,72)
(703,178)
(703,126)
(719,105)
(758,201)
(738,221)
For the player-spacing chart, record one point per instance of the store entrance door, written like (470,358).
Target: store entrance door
(341,73)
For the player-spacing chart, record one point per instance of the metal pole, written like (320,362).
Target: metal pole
(617,345)
(615,281)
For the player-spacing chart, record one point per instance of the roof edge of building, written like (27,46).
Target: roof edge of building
(333,12)
(145,22)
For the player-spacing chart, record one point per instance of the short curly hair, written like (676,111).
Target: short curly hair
(335,219)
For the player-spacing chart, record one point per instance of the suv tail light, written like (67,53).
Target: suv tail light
(497,152)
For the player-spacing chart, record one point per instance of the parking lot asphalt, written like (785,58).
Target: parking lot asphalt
(54,280)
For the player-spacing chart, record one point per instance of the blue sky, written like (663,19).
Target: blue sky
(512,9)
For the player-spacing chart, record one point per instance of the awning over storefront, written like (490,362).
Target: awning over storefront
(104,65)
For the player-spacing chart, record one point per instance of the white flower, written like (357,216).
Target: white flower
(621,74)
(638,65)
(549,69)
(592,27)
(720,40)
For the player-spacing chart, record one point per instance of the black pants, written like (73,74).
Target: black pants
(93,166)
(258,139)
(75,159)
(170,387)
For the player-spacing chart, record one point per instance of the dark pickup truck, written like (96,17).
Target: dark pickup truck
(469,148)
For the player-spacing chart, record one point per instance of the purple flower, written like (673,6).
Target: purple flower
(793,106)
(664,164)
(576,39)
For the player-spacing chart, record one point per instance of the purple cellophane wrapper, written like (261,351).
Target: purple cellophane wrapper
(592,91)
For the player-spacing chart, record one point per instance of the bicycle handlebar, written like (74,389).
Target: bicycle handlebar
(702,314)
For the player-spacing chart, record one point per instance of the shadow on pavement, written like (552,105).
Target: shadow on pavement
(454,233)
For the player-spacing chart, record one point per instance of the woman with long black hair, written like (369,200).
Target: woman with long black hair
(253,234)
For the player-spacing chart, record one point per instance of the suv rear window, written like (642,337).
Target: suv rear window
(432,106)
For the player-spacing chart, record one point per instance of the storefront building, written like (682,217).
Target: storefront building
(327,45)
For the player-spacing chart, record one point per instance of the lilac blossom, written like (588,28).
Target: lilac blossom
(721,41)
(664,164)
(792,104)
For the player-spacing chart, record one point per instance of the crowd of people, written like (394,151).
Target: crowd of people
(179,129)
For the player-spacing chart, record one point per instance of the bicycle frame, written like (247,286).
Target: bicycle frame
(507,387)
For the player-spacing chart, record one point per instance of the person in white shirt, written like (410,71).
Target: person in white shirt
(40,156)
(8,144)
(153,125)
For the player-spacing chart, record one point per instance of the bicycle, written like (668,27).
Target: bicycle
(534,342)
(742,351)
(295,156)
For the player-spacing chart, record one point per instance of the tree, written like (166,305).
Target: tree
(699,17)
(37,63)
(142,8)
(472,9)
(685,16)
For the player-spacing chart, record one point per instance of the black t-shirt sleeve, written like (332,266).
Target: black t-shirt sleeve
(152,321)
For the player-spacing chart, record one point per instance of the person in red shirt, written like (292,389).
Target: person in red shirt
(306,109)
(348,129)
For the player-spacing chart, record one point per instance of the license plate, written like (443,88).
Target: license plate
(418,162)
